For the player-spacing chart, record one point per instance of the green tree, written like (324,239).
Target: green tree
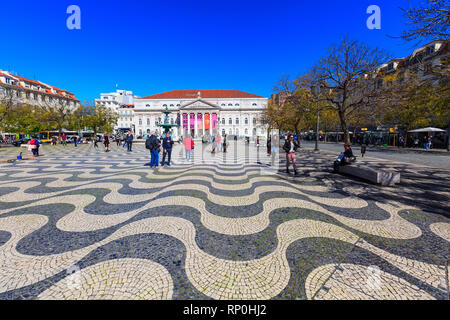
(99,118)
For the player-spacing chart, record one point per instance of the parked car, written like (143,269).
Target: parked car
(19,142)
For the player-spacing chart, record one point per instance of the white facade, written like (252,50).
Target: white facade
(239,114)
(121,102)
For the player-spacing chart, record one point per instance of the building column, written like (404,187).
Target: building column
(189,123)
(196,124)
(203,120)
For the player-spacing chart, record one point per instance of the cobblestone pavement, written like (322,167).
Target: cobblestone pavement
(79,223)
(433,158)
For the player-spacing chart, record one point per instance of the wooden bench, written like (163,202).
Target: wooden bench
(378,176)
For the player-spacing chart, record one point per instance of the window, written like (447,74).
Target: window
(254,121)
(223,120)
(147,105)
(230,121)
(237,120)
(171,105)
(254,104)
(140,121)
(230,104)
(236,105)
(164,105)
(222,105)
(246,120)
(246,131)
(148,121)
(430,50)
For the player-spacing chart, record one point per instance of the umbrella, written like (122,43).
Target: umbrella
(428,129)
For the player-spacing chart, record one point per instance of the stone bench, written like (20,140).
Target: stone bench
(378,176)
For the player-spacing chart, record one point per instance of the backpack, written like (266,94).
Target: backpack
(148,144)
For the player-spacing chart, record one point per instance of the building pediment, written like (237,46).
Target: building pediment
(199,104)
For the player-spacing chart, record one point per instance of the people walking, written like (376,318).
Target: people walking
(269,146)
(75,141)
(363,150)
(290,147)
(117,140)
(224,143)
(33,146)
(129,141)
(219,142)
(167,149)
(96,142)
(213,144)
(106,141)
(64,139)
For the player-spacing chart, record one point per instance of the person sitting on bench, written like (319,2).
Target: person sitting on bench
(344,158)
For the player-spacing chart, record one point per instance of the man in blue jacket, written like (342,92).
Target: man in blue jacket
(129,141)
(167,148)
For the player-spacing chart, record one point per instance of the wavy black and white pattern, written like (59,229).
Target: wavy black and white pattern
(84,224)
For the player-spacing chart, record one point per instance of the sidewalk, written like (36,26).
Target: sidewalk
(385,148)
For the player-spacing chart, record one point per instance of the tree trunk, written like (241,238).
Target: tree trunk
(344,127)
(448,136)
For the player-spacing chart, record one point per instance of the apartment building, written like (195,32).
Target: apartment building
(17,90)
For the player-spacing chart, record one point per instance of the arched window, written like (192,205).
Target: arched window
(222,105)
(236,105)
(223,121)
(171,105)
(148,121)
(254,104)
(230,104)
(237,120)
(230,121)
(147,105)
(140,121)
(246,120)
(164,105)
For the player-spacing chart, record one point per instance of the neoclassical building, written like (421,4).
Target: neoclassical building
(202,112)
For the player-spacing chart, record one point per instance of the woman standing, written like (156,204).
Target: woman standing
(290,147)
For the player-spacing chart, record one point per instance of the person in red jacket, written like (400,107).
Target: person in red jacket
(188,146)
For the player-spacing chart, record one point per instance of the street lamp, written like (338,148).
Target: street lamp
(316,91)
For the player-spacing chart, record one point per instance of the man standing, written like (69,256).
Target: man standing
(290,146)
(129,141)
(167,148)
(154,145)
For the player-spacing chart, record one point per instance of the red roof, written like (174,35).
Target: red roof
(47,90)
(205,94)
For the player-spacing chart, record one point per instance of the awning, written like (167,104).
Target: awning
(428,129)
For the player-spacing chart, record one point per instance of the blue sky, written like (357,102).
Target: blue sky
(156,46)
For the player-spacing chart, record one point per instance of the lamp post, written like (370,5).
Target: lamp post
(316,91)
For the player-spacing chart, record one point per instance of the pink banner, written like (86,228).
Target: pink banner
(192,118)
(214,121)
(199,121)
(185,121)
